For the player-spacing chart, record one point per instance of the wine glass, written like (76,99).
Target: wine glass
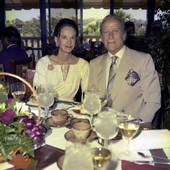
(106,125)
(92,104)
(103,94)
(128,126)
(101,157)
(4,87)
(46,98)
(18,90)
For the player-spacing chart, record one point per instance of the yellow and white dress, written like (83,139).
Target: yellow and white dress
(65,86)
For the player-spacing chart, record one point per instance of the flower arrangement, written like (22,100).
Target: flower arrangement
(18,129)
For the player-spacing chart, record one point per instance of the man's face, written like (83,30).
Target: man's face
(113,35)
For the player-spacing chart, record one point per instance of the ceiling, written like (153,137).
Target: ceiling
(28,4)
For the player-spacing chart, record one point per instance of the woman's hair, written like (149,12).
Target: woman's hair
(52,49)
(12,34)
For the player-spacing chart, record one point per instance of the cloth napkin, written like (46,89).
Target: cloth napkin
(126,165)
(159,153)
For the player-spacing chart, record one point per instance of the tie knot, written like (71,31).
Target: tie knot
(113,59)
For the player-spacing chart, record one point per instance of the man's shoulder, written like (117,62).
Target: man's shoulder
(99,58)
(134,54)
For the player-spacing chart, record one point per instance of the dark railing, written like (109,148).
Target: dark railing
(35,43)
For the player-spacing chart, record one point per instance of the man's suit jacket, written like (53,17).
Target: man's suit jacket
(126,97)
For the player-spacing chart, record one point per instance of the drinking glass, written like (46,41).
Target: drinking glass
(18,90)
(4,87)
(106,125)
(46,98)
(77,156)
(128,126)
(103,94)
(92,104)
(101,157)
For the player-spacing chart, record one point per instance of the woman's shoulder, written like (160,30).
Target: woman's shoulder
(82,61)
(43,59)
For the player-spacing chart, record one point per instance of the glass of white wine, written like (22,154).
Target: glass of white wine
(100,157)
(4,91)
(18,90)
(4,87)
(103,94)
(128,125)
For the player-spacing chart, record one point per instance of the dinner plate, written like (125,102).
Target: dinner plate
(32,102)
(60,161)
(51,123)
(69,136)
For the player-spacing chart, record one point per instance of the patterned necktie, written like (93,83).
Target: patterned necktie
(112,74)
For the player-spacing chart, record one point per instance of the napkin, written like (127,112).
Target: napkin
(156,153)
(126,165)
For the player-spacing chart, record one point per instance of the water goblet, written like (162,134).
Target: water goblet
(92,104)
(106,125)
(128,126)
(18,90)
(46,99)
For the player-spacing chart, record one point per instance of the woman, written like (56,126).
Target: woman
(62,71)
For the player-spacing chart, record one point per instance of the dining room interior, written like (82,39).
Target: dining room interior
(74,130)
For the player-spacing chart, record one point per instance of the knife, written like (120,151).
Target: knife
(155,162)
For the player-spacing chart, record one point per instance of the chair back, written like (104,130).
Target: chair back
(2,77)
(19,67)
(29,76)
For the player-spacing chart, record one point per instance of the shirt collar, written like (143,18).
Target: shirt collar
(119,54)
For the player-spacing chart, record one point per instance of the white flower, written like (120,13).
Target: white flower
(21,107)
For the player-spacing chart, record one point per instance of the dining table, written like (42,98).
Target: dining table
(148,141)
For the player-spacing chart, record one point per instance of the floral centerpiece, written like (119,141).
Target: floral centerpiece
(18,129)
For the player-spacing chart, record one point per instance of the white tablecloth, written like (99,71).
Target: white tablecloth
(148,139)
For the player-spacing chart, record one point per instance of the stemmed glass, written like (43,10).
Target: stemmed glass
(92,104)
(106,125)
(128,126)
(18,90)
(46,98)
(4,91)
(103,94)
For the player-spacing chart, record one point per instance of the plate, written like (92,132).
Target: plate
(51,123)
(69,136)
(60,161)
(79,112)
(32,102)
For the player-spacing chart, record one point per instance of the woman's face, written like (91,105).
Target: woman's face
(66,40)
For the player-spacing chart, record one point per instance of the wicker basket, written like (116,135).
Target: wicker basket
(31,88)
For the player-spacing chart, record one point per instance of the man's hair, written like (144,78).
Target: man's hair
(12,34)
(113,17)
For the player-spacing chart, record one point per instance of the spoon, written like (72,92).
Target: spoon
(148,156)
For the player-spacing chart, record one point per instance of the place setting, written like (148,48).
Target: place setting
(59,118)
(80,131)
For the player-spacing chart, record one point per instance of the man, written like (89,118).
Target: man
(135,88)
(11,41)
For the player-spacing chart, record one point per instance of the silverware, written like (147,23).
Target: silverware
(151,162)
(148,156)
